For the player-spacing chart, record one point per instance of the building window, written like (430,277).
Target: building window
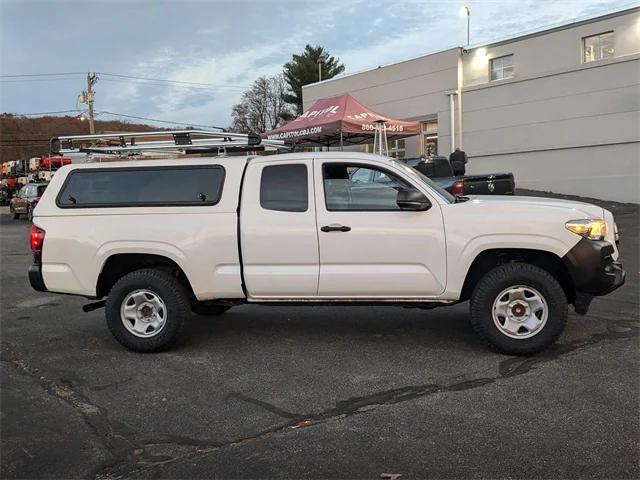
(597,47)
(429,138)
(501,67)
(397,148)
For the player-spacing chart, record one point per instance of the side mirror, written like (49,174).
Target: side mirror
(412,199)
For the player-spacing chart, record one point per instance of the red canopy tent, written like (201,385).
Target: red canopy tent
(340,121)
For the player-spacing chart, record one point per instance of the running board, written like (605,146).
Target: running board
(415,302)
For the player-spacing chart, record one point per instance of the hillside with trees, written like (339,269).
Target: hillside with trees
(25,137)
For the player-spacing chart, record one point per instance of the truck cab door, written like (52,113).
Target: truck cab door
(369,247)
(278,232)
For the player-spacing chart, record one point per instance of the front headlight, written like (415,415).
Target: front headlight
(591,228)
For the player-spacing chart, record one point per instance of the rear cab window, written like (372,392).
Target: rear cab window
(285,188)
(193,185)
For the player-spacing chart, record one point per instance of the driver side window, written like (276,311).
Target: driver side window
(358,188)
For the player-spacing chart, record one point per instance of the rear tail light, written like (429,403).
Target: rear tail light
(36,239)
(458,188)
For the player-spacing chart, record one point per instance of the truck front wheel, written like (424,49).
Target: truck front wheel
(146,310)
(518,309)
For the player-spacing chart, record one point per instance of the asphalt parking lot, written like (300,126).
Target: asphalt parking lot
(318,392)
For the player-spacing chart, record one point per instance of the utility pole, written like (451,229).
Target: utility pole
(87,96)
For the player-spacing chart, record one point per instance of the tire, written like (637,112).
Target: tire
(158,302)
(12,211)
(202,308)
(30,213)
(518,309)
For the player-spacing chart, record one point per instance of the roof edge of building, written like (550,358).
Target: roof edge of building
(556,28)
(371,69)
(492,43)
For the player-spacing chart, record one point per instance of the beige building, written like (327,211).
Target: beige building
(559,108)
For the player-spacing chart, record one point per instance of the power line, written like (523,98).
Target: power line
(189,87)
(25,78)
(171,81)
(161,121)
(117,115)
(66,79)
(43,74)
(38,113)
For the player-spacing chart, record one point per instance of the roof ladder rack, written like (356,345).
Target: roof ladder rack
(189,141)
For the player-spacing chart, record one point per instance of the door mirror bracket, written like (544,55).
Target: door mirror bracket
(413,200)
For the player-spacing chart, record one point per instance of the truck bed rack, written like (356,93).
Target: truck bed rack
(187,141)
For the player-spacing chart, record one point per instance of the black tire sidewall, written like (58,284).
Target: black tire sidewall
(500,278)
(172,294)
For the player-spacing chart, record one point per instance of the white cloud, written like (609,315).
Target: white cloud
(225,70)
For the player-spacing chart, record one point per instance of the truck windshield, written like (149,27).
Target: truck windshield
(441,192)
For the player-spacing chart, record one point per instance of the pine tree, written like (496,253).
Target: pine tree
(303,70)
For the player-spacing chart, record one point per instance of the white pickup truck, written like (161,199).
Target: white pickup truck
(162,238)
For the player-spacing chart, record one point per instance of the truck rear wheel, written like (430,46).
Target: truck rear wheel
(146,309)
(518,309)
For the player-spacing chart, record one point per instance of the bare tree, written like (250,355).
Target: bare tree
(262,107)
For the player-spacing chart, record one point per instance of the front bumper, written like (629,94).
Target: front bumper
(593,270)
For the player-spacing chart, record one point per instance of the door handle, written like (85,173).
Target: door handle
(334,227)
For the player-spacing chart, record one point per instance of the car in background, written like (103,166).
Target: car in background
(439,170)
(26,200)
(5,195)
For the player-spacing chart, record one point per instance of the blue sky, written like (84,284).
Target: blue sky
(229,44)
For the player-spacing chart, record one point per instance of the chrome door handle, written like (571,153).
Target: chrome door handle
(334,227)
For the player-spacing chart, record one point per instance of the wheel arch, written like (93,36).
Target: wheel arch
(488,259)
(117,265)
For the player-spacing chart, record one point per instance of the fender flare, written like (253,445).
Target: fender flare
(161,249)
